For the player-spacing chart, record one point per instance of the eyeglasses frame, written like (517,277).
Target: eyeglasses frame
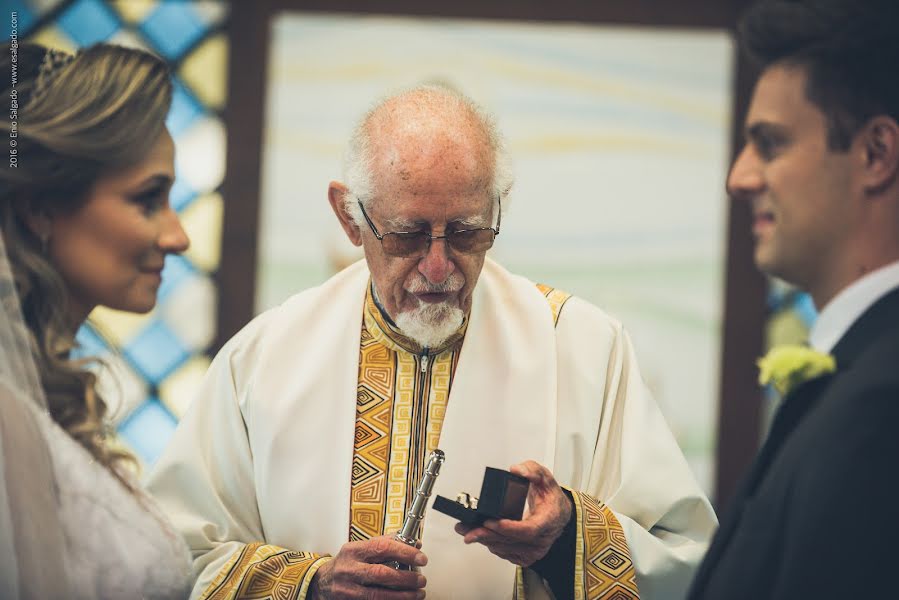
(380,236)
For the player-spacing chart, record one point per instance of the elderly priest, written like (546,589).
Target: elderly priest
(298,461)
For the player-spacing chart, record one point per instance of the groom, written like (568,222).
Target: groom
(816,514)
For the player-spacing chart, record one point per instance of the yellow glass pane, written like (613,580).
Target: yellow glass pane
(124,37)
(190,311)
(202,221)
(118,326)
(212,12)
(205,70)
(133,11)
(53,37)
(181,387)
(42,7)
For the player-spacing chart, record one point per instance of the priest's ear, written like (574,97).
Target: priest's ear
(337,196)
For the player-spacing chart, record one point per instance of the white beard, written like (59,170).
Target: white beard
(430,324)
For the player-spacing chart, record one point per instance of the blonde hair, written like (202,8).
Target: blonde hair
(78,118)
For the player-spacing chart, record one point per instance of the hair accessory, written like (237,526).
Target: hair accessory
(53,63)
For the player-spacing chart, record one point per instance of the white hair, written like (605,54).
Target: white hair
(359,160)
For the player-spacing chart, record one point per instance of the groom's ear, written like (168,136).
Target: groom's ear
(337,193)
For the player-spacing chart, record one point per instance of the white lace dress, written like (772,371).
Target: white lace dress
(119,544)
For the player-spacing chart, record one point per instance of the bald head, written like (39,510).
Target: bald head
(422,139)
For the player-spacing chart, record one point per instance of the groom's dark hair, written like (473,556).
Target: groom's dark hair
(848,49)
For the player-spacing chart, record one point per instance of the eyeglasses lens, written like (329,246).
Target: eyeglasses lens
(416,244)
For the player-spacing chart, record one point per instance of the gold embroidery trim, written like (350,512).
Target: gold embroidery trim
(260,571)
(555,298)
(394,431)
(603,567)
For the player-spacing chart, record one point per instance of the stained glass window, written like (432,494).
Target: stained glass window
(791,314)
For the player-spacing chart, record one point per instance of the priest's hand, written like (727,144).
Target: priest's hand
(358,572)
(527,541)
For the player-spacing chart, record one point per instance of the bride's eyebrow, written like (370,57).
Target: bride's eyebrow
(154,180)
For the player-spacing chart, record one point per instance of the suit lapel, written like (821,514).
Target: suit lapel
(794,407)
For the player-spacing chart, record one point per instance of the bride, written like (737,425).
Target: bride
(84,221)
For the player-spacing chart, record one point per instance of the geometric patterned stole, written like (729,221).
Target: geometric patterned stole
(400,404)
(401,401)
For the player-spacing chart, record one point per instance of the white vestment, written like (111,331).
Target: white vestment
(265,452)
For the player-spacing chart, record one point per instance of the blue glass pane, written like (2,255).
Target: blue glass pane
(185,109)
(148,429)
(90,343)
(155,352)
(182,194)
(779,297)
(177,269)
(173,28)
(805,308)
(88,21)
(25,17)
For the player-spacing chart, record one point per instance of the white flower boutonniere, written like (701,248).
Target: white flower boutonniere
(787,366)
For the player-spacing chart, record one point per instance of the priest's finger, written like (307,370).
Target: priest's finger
(518,530)
(505,531)
(476,534)
(384,548)
(386,576)
(533,472)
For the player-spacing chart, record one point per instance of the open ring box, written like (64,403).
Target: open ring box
(503,496)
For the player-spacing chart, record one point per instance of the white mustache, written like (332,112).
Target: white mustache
(452,284)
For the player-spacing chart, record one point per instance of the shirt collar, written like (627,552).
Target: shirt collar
(847,306)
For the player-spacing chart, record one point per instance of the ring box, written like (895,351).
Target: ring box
(503,496)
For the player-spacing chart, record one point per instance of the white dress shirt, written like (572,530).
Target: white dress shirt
(847,306)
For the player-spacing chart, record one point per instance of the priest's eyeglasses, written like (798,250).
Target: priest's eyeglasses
(415,244)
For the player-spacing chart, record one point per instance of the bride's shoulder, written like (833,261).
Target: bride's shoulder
(119,544)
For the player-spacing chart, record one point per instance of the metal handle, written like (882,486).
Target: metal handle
(409,533)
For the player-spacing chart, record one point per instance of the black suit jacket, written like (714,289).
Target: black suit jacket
(817,516)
